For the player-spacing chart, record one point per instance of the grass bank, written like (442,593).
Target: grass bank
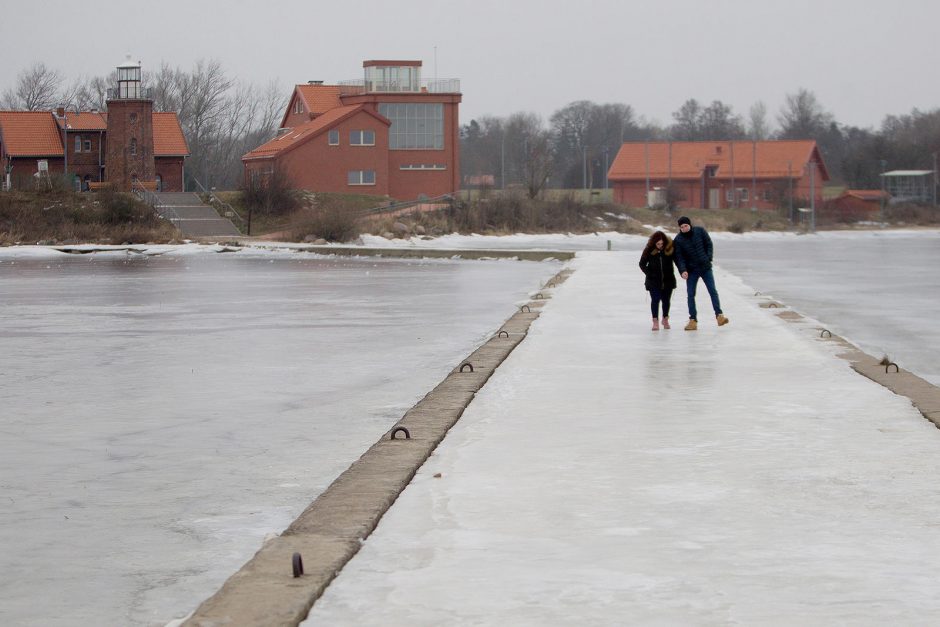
(65,217)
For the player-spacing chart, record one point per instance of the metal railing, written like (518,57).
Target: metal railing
(407,204)
(166,212)
(429,86)
(227,210)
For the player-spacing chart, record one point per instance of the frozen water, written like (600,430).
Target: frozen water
(609,475)
(879,289)
(161,415)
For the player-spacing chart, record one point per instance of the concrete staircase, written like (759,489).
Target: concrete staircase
(193,217)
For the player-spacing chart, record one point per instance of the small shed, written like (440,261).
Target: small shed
(911,186)
(856,204)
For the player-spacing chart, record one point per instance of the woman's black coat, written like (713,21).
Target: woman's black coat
(658,268)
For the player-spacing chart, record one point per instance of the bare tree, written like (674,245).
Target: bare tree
(37,89)
(802,117)
(687,121)
(757,128)
(718,122)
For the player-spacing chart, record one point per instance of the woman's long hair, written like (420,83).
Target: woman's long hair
(651,243)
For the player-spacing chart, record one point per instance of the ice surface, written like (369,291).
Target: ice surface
(162,414)
(607,474)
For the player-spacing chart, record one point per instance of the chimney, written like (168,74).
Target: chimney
(60,111)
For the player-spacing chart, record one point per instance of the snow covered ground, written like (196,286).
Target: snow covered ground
(607,474)
(162,411)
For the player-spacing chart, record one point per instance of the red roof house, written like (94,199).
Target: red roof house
(390,134)
(129,143)
(717,174)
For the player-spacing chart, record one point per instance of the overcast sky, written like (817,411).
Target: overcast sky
(863,59)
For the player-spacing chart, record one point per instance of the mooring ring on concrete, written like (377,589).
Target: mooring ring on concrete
(297,563)
(757,293)
(500,334)
(550,285)
(403,430)
(823,333)
(889,364)
(525,309)
(466,365)
(774,305)
(538,296)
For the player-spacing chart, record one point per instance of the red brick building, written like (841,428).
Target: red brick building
(717,174)
(390,134)
(129,142)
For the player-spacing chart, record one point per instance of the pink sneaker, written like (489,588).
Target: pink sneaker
(666,323)
(656,324)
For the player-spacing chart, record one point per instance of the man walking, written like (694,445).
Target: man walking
(693,254)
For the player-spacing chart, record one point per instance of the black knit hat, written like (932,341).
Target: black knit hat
(684,220)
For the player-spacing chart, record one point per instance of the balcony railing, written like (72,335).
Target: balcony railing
(430,86)
(145,93)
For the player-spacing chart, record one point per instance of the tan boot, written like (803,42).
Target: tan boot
(692,326)
(656,324)
(722,320)
(666,323)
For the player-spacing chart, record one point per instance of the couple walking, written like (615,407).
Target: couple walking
(691,252)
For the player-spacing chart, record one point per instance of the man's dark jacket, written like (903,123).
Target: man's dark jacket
(693,250)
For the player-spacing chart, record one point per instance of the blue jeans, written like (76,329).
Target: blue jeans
(690,283)
(656,296)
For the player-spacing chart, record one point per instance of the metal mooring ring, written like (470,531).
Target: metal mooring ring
(774,305)
(403,430)
(500,334)
(297,563)
(466,365)
(550,285)
(757,293)
(888,365)
(538,296)
(823,333)
(525,308)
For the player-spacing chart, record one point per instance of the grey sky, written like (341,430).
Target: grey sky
(863,59)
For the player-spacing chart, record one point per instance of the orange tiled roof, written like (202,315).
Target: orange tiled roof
(866,194)
(306,131)
(84,121)
(320,98)
(168,139)
(773,159)
(30,134)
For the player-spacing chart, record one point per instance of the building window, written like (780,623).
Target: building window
(743,194)
(86,145)
(78,143)
(767,194)
(361,177)
(334,138)
(729,195)
(298,106)
(133,117)
(415,126)
(362,138)
(133,147)
(423,166)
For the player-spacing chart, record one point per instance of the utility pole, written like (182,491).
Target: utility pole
(584,167)
(502,161)
(646,157)
(934,179)
(607,166)
(790,189)
(883,166)
(754,176)
(812,196)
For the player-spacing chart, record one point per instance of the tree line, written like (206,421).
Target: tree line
(222,117)
(575,147)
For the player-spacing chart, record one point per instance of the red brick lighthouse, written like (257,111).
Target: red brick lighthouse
(130,155)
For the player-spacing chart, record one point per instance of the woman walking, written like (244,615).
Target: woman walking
(656,262)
